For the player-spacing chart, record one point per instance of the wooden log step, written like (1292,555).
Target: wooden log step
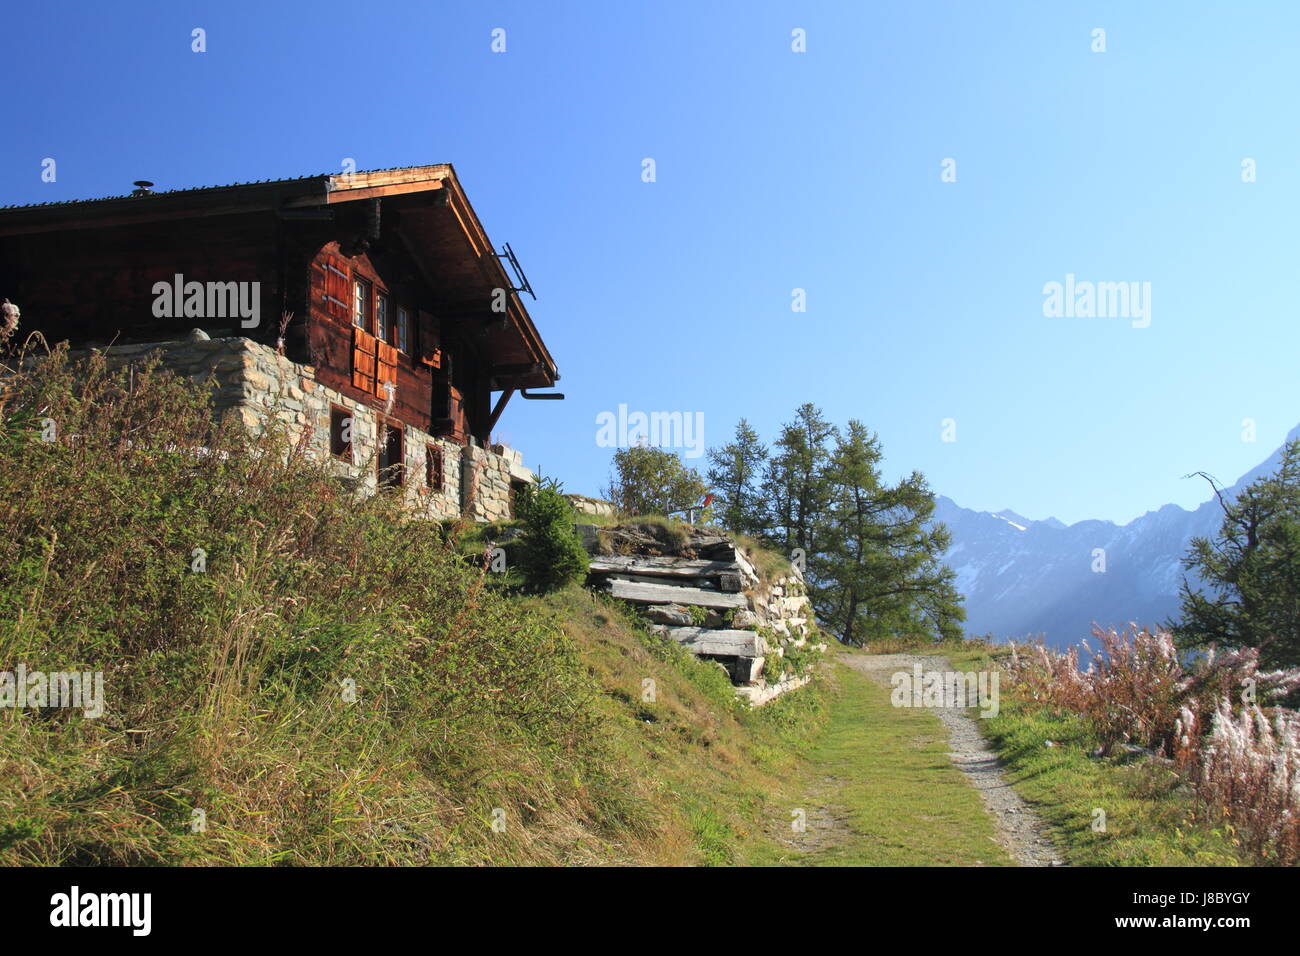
(720,643)
(642,593)
(660,566)
(708,584)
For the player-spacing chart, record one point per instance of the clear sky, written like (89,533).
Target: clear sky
(777,170)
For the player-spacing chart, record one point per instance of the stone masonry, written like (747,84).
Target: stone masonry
(260,385)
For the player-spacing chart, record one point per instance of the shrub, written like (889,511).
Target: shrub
(1246,771)
(550,553)
(1242,761)
(652,481)
(1136,684)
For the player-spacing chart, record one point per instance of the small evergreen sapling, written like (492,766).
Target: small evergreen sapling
(550,552)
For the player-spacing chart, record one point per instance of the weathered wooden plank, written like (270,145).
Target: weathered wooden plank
(722,643)
(661,566)
(642,593)
(708,584)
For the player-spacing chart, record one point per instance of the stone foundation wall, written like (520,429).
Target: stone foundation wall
(591,506)
(259,385)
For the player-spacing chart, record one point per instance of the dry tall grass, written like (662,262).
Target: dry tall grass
(229,689)
(1208,715)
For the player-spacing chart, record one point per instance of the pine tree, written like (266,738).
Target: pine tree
(882,560)
(795,484)
(735,481)
(1251,571)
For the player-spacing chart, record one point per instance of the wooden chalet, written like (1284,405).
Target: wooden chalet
(389,276)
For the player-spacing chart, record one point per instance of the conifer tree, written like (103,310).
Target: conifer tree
(795,484)
(735,480)
(1251,572)
(881,566)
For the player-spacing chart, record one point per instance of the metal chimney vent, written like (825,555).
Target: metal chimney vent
(142,188)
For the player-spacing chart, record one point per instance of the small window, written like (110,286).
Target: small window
(341,433)
(403,330)
(391,462)
(516,488)
(361,304)
(384,319)
(433,467)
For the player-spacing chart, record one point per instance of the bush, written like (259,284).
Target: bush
(1242,761)
(1136,685)
(550,553)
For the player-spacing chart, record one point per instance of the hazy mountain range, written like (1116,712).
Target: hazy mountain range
(1024,577)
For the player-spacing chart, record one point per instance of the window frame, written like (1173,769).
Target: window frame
(343,413)
(435,466)
(385,326)
(364,322)
(403,334)
(385,425)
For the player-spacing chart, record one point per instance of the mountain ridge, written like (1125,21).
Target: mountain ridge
(1026,578)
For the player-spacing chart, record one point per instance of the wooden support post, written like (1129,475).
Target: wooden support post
(501,407)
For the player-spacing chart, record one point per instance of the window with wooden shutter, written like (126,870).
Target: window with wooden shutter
(430,341)
(364,360)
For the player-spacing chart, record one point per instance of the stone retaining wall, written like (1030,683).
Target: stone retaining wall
(705,592)
(259,385)
(591,506)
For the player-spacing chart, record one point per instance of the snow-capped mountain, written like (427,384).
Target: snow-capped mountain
(1044,578)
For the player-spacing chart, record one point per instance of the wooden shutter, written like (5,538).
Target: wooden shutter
(364,355)
(387,368)
(459,426)
(338,288)
(430,341)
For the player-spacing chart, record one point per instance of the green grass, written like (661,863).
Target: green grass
(887,771)
(1148,813)
(225,687)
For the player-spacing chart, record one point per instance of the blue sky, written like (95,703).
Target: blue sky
(779,170)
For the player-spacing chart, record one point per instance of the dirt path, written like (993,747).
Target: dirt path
(1018,827)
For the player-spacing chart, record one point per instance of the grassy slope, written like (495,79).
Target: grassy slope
(224,687)
(712,766)
(886,770)
(1148,816)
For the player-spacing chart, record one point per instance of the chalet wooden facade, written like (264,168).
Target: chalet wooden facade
(382,288)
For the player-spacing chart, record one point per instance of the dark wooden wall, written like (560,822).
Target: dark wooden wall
(94,286)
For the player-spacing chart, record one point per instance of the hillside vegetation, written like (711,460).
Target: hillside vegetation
(294,674)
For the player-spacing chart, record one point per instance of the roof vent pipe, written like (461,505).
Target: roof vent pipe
(142,188)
